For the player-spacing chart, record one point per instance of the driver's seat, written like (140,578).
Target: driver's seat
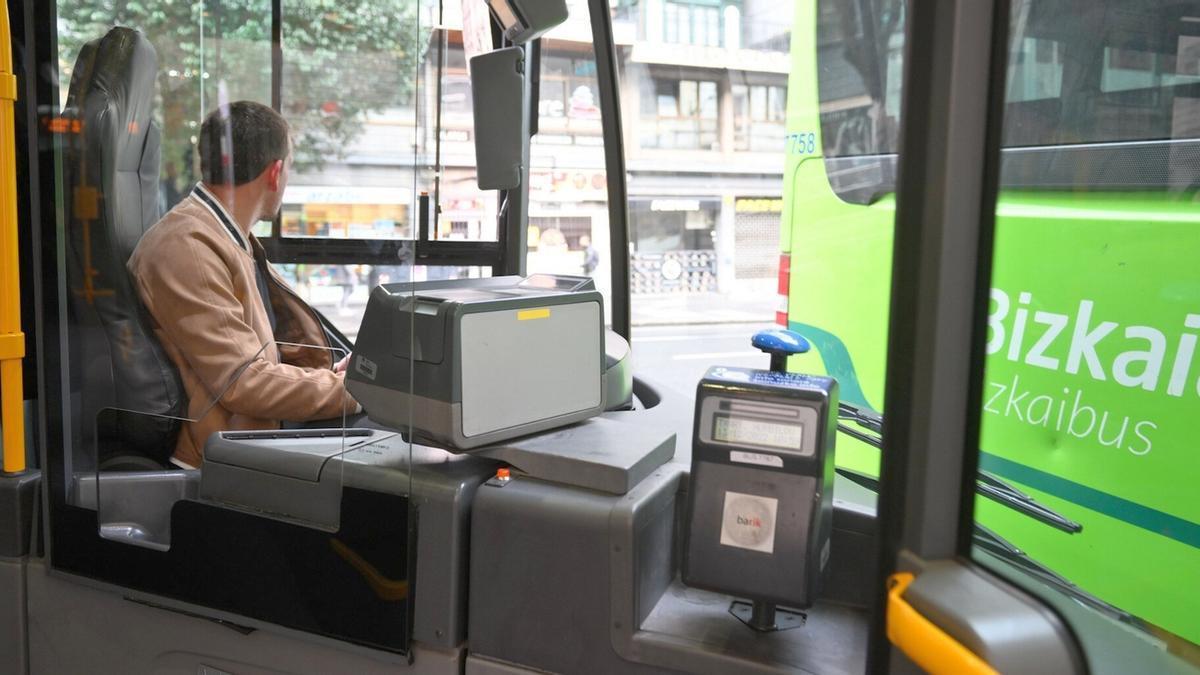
(126,393)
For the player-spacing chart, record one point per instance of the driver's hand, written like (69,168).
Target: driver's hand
(340,366)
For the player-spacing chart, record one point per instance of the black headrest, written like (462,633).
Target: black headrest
(111,198)
(112,96)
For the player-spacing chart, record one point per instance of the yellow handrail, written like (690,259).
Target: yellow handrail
(924,643)
(12,340)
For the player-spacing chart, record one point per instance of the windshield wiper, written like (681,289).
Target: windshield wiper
(1003,549)
(865,417)
(997,490)
(986,484)
(999,547)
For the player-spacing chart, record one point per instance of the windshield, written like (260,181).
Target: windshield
(1089,370)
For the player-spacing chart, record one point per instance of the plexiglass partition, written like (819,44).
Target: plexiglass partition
(208,410)
(133,499)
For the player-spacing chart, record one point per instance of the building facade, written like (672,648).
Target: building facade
(703,92)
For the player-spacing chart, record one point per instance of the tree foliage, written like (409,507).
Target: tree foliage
(341,59)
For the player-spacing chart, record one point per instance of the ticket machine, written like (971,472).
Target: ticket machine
(760,505)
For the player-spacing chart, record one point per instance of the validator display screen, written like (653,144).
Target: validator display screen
(754,431)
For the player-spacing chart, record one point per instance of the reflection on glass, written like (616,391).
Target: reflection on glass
(225,56)
(133,498)
(1092,286)
(859,78)
(1088,383)
(340,292)
(466,212)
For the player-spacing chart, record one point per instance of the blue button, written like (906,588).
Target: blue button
(780,341)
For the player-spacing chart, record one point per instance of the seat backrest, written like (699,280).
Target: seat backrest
(111,184)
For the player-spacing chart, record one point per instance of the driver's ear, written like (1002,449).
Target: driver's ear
(274,169)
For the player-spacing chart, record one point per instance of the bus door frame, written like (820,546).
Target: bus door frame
(955,74)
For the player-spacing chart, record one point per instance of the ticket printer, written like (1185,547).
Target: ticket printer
(761,492)
(470,362)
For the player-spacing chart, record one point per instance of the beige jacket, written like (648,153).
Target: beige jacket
(197,279)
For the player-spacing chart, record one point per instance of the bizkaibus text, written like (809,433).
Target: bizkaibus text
(1138,357)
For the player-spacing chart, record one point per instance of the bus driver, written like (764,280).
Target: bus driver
(219,308)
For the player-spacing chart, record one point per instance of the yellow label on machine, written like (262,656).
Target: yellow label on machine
(530,314)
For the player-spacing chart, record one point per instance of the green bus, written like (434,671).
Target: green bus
(1092,383)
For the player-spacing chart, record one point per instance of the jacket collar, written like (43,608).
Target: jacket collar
(214,206)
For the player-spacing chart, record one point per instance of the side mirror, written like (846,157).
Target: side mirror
(501,123)
(524,20)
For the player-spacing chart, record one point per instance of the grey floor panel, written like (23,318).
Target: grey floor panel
(693,629)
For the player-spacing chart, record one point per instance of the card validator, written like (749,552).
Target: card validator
(760,499)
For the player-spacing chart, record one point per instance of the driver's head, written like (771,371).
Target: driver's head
(247,144)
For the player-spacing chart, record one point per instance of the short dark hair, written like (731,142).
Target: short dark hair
(258,136)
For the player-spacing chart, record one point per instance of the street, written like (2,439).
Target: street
(676,357)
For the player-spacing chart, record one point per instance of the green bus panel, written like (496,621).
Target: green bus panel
(1092,383)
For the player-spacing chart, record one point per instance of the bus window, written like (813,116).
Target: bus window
(465,213)
(224,56)
(859,59)
(568,188)
(1090,380)
(704,98)
(859,53)
(1135,86)
(355,175)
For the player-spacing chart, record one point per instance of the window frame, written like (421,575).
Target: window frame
(696,119)
(696,18)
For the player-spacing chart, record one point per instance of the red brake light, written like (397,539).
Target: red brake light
(785,278)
